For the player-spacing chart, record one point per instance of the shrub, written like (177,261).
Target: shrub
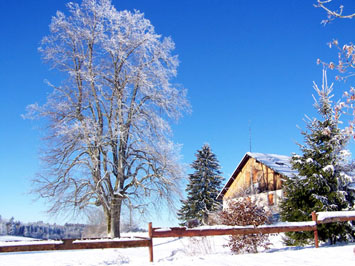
(194,246)
(246,212)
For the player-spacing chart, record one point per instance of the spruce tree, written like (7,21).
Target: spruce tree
(321,184)
(203,188)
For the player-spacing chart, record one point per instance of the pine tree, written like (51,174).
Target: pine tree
(11,227)
(321,184)
(203,188)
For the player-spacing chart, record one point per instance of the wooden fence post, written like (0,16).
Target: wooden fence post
(314,218)
(150,234)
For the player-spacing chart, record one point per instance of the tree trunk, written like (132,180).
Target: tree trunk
(108,221)
(115,216)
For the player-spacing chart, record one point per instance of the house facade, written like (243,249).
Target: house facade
(258,176)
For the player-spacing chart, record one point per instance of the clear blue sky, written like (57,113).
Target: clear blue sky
(243,62)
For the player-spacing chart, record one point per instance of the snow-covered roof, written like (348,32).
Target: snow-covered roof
(279,163)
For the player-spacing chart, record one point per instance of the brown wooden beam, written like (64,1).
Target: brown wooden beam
(181,232)
(35,247)
(336,219)
(68,245)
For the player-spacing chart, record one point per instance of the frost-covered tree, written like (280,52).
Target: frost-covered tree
(332,11)
(11,227)
(108,136)
(203,187)
(321,184)
(344,63)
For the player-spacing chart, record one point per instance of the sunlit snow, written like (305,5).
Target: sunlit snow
(188,251)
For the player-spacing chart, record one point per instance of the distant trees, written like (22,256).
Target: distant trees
(203,188)
(322,182)
(41,230)
(11,226)
(2,227)
(108,134)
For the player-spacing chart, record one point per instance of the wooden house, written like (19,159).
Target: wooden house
(258,176)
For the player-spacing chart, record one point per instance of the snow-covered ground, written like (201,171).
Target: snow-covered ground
(4,239)
(187,251)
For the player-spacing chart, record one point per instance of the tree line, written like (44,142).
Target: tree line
(41,230)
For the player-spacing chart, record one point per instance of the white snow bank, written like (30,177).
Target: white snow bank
(279,224)
(19,240)
(107,240)
(326,215)
(328,256)
(285,224)
(16,238)
(187,252)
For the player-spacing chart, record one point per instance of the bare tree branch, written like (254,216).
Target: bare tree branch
(108,136)
(332,14)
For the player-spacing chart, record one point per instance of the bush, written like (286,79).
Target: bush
(194,246)
(246,212)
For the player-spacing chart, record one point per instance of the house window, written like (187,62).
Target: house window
(271,199)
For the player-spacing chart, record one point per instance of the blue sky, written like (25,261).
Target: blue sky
(243,63)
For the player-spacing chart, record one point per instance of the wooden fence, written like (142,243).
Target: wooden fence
(69,244)
(319,218)
(245,230)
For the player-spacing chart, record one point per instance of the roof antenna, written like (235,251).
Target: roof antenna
(249,136)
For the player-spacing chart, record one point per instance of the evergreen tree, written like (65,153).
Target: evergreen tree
(322,183)
(203,188)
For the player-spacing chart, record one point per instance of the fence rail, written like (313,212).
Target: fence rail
(184,232)
(325,217)
(68,244)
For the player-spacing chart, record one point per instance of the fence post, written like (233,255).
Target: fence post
(150,234)
(314,218)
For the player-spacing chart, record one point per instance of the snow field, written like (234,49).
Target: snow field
(188,251)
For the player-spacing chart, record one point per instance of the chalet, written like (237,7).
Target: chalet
(259,176)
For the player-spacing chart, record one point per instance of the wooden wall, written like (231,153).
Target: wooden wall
(254,177)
